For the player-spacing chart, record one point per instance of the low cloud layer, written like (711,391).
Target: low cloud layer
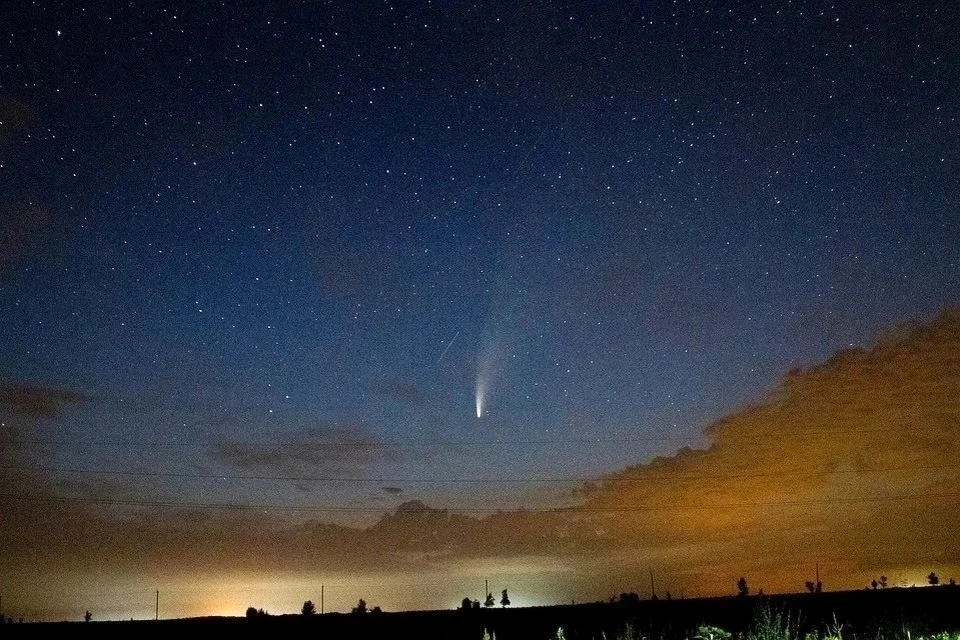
(851,464)
(36,403)
(404,392)
(20,225)
(14,117)
(331,448)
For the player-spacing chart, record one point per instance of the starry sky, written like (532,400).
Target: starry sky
(247,249)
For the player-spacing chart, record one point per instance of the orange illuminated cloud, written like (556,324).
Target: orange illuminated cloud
(850,464)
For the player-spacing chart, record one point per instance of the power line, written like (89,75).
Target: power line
(346,444)
(773,437)
(481,510)
(409,481)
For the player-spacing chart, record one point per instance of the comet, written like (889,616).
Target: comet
(486,367)
(481,393)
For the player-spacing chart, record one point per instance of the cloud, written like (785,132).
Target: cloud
(37,403)
(403,391)
(321,448)
(811,474)
(25,225)
(343,262)
(20,225)
(14,117)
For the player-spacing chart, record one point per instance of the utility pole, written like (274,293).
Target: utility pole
(321,599)
(157,615)
(653,592)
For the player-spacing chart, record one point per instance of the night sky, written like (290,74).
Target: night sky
(308,240)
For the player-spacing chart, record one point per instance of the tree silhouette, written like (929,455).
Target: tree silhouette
(466,603)
(874,584)
(87,616)
(376,609)
(952,582)
(251,612)
(476,604)
(883,582)
(361,607)
(489,602)
(504,599)
(742,588)
(308,608)
(933,579)
(810,586)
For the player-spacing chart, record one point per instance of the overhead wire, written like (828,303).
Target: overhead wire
(493,442)
(576,510)
(612,478)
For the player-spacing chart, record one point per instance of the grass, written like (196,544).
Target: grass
(774,624)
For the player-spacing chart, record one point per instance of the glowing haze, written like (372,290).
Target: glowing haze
(871,429)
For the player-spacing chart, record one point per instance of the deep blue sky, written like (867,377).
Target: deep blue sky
(267,223)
